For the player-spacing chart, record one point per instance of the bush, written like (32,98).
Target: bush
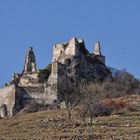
(122,83)
(102,110)
(117,105)
(44,74)
(98,111)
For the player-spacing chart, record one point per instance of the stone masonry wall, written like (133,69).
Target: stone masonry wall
(7,99)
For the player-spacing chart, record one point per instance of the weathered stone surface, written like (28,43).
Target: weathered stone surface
(7,100)
(77,62)
(40,93)
(15,79)
(71,61)
(63,51)
(28,79)
(30,62)
(97,50)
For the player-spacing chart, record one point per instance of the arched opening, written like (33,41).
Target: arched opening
(3,111)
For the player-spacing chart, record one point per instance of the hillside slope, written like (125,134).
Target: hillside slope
(53,124)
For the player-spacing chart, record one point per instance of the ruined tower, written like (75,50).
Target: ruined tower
(97,50)
(30,62)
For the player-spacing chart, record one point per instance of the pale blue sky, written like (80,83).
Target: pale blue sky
(43,23)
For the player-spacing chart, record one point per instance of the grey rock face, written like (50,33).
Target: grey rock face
(30,62)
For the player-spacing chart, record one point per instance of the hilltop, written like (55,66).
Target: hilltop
(71,63)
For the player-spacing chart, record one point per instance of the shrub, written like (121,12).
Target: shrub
(97,110)
(102,110)
(44,74)
(122,83)
(117,105)
(92,94)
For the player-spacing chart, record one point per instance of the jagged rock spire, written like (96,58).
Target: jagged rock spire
(30,62)
(97,50)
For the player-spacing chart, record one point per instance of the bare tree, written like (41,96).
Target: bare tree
(123,83)
(93,94)
(70,95)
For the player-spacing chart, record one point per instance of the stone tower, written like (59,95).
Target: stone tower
(97,50)
(30,62)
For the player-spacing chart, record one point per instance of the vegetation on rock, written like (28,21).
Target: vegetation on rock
(44,74)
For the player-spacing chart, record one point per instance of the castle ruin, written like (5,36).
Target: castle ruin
(71,61)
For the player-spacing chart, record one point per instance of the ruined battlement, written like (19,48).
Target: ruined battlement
(67,50)
(73,48)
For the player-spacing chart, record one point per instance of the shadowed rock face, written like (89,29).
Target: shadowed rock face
(30,62)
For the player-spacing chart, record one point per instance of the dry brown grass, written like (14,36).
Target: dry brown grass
(123,104)
(54,125)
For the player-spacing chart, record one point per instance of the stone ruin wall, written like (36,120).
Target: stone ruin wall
(65,50)
(57,78)
(7,101)
(29,78)
(57,51)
